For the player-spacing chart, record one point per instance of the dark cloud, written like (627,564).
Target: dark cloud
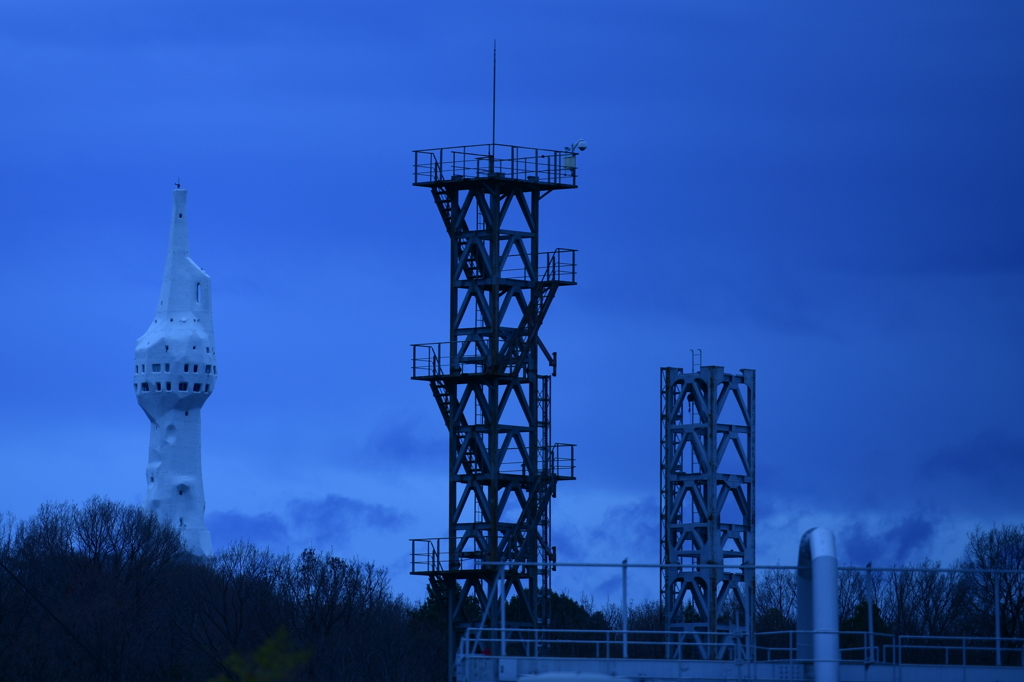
(982,473)
(627,530)
(903,541)
(405,442)
(265,529)
(322,523)
(334,518)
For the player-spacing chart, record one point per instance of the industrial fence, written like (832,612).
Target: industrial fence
(926,614)
(767,646)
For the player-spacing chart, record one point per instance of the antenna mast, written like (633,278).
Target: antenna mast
(494,90)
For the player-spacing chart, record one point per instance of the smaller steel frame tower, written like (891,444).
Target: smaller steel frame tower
(502,464)
(707,506)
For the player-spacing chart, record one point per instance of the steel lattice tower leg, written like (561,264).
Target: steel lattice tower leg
(707,506)
(502,466)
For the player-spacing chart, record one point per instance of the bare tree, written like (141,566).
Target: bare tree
(999,548)
(775,608)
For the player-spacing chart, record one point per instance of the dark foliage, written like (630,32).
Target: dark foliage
(105,592)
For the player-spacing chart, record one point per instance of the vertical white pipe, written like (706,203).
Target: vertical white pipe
(871,617)
(501,595)
(818,601)
(625,613)
(999,649)
(804,607)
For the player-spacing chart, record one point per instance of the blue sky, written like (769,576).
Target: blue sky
(828,193)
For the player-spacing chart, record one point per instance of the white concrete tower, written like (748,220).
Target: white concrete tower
(175,372)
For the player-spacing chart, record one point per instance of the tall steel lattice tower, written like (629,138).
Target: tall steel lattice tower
(502,465)
(707,507)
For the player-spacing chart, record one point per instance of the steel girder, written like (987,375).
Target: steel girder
(503,468)
(707,504)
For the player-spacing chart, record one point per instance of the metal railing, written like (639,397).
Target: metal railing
(434,359)
(451,164)
(558,266)
(432,555)
(557,460)
(430,359)
(741,642)
(429,555)
(606,644)
(874,647)
(660,644)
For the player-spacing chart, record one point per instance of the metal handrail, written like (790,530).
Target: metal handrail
(867,647)
(430,359)
(428,555)
(483,641)
(528,164)
(551,462)
(559,267)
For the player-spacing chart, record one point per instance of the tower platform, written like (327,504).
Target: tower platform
(461,167)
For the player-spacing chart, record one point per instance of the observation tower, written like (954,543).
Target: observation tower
(175,372)
(503,467)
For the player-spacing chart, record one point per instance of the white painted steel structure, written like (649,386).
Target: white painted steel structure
(707,503)
(175,372)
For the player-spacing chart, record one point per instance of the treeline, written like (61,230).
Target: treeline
(104,591)
(920,599)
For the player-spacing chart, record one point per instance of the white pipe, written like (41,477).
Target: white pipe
(817,592)
(625,613)
(501,596)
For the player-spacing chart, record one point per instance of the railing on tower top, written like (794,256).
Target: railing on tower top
(481,161)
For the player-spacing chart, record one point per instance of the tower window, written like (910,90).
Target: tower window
(167,367)
(183,386)
(167,386)
(199,293)
(207,388)
(158,385)
(195,368)
(186,366)
(145,385)
(156,368)
(196,388)
(207,349)
(179,215)
(136,369)
(208,367)
(215,369)
(166,348)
